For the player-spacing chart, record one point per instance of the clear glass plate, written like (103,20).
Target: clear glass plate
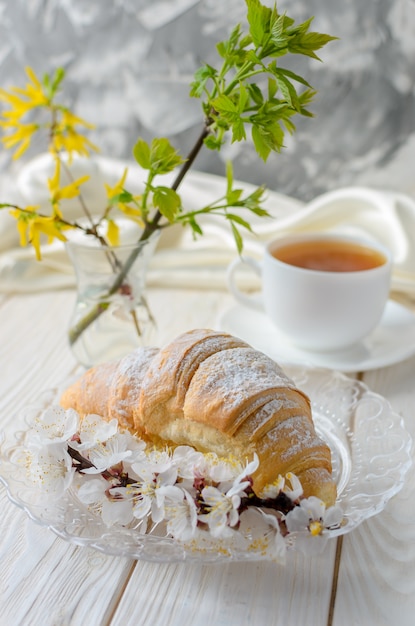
(371,452)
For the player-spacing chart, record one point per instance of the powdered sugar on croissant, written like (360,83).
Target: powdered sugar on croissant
(216,393)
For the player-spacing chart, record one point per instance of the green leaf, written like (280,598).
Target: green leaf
(305,99)
(141,153)
(289,125)
(252,57)
(222,49)
(163,156)
(212,143)
(57,79)
(288,91)
(245,41)
(51,84)
(260,212)
(238,131)
(308,43)
(293,76)
(226,49)
(46,82)
(279,36)
(234,37)
(267,136)
(167,202)
(252,202)
(194,226)
(243,98)
(125,197)
(307,96)
(276,135)
(261,145)
(233,196)
(256,94)
(258,17)
(239,220)
(272,88)
(226,107)
(201,77)
(302,28)
(238,238)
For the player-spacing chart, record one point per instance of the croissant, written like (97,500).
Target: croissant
(216,393)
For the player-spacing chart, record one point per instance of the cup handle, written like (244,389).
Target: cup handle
(253,302)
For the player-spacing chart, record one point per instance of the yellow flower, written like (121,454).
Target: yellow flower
(134,213)
(48,226)
(23,216)
(34,91)
(21,102)
(59,193)
(113,232)
(23,135)
(71,141)
(31,226)
(120,198)
(63,127)
(66,137)
(69,120)
(19,107)
(118,187)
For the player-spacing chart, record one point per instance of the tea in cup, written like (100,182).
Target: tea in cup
(324,292)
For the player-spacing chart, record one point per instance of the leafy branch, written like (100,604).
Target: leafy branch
(233,102)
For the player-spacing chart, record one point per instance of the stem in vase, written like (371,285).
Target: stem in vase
(151,227)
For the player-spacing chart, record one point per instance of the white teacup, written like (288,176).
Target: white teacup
(325,307)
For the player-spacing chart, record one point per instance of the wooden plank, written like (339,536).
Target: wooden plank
(49,582)
(246,594)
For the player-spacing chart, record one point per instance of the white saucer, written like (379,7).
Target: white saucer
(391,342)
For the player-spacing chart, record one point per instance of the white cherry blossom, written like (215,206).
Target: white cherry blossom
(107,454)
(53,426)
(264,527)
(222,503)
(151,490)
(277,545)
(181,515)
(114,503)
(296,490)
(155,461)
(248,470)
(189,462)
(312,516)
(94,429)
(272,490)
(221,470)
(222,511)
(51,472)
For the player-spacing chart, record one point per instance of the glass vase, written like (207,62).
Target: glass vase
(111,316)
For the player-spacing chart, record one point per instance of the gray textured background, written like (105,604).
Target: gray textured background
(129,64)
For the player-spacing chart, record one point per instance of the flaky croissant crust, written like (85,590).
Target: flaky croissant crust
(216,393)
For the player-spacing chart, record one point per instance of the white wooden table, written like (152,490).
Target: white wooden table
(366,579)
